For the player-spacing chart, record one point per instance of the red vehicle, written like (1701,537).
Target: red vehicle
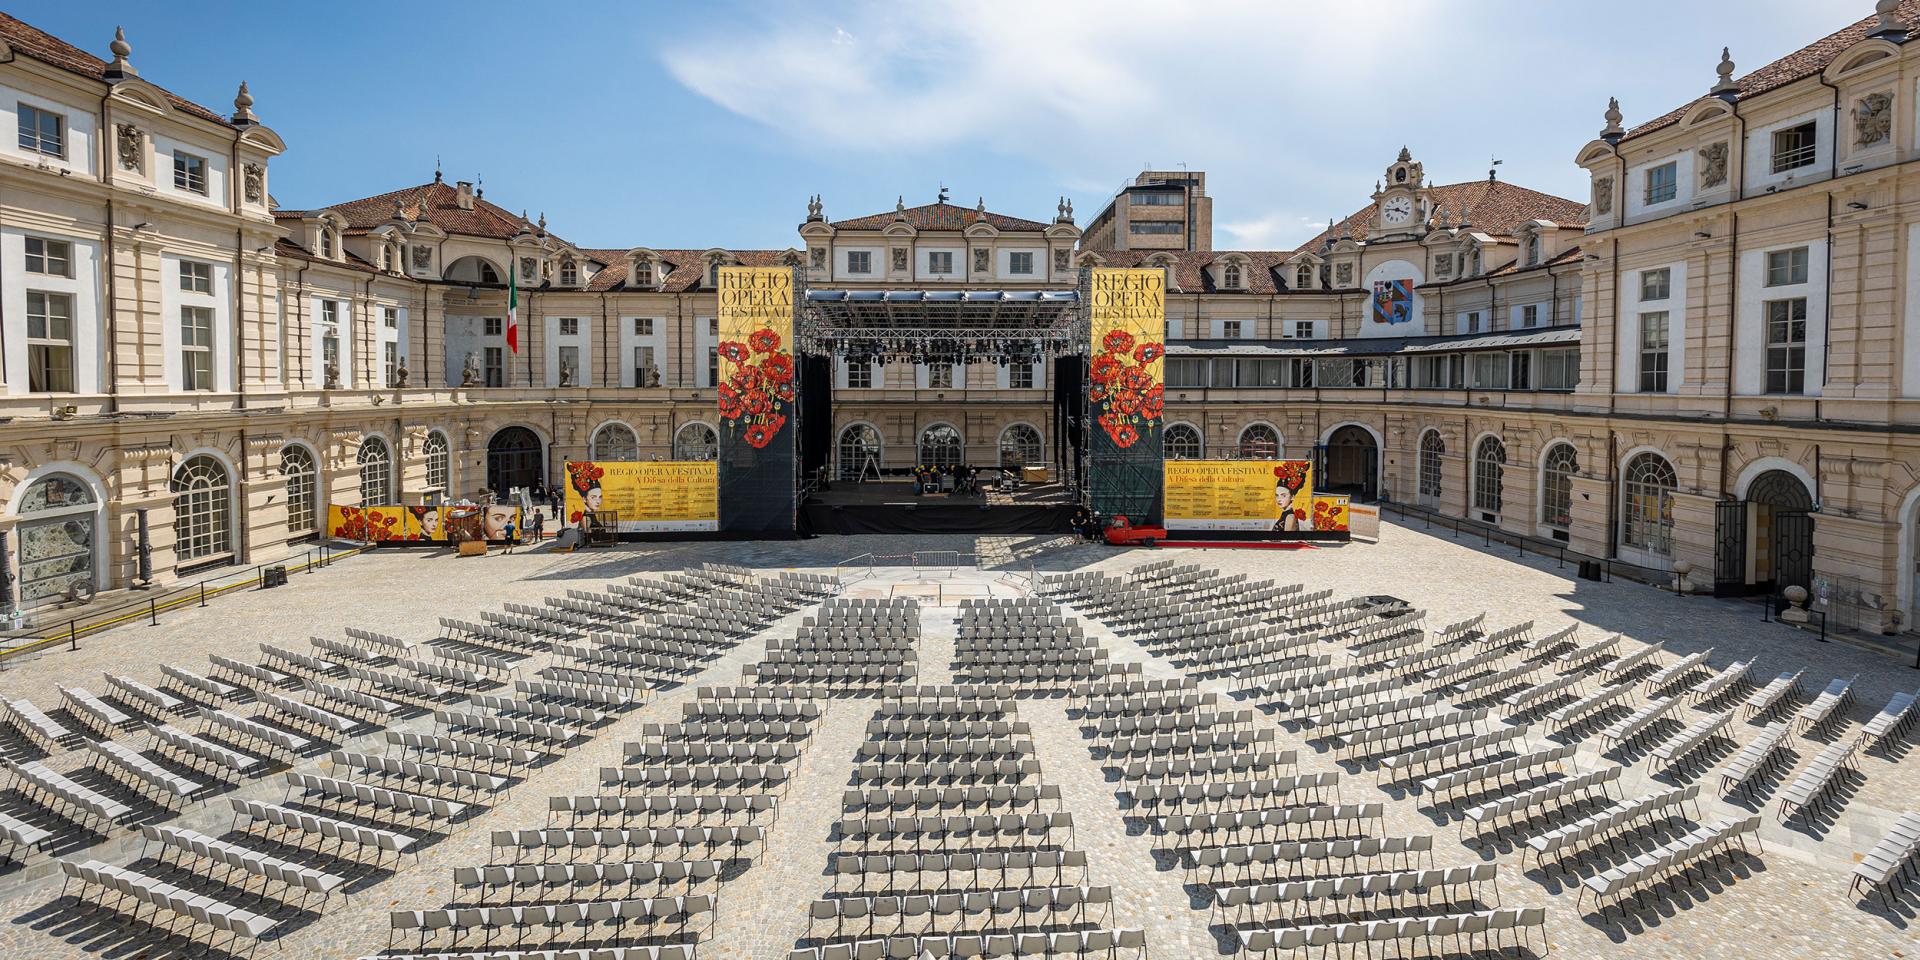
(1122,533)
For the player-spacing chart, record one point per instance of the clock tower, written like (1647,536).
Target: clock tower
(1400,201)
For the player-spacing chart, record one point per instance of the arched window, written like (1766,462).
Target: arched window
(1020,446)
(1259,442)
(439,461)
(1303,277)
(1182,442)
(202,509)
(1230,276)
(615,441)
(569,272)
(1556,484)
(376,472)
(1432,449)
(1489,474)
(696,441)
(940,446)
(326,244)
(859,451)
(58,530)
(1647,520)
(303,483)
(386,257)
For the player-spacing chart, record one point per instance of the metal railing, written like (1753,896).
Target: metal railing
(1489,534)
(197,594)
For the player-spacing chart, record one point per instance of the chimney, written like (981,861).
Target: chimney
(463,194)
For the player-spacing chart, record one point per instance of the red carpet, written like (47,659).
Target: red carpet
(1239,544)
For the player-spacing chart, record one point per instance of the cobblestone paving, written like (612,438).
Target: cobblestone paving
(1789,903)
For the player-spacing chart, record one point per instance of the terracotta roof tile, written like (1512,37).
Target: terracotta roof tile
(287,248)
(939,216)
(440,201)
(49,49)
(1798,65)
(687,269)
(1263,273)
(1492,207)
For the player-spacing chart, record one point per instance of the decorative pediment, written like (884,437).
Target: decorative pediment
(143,96)
(1594,152)
(1861,56)
(263,139)
(1705,111)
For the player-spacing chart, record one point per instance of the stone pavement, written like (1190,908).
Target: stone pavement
(1788,903)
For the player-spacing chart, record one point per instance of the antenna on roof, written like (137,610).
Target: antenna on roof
(479,186)
(1491,173)
(436,168)
(942,197)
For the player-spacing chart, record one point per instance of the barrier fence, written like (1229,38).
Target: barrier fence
(149,608)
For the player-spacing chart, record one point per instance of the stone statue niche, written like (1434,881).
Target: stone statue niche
(470,370)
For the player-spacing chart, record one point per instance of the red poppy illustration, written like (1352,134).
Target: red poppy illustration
(758,385)
(734,350)
(1124,387)
(764,340)
(777,368)
(1148,353)
(1106,368)
(1118,341)
(1292,474)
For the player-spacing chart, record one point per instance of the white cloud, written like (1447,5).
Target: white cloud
(1278,230)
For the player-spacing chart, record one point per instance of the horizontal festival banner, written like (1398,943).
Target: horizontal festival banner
(404,524)
(1239,495)
(645,496)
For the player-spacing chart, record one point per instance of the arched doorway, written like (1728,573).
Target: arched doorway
(859,453)
(1780,527)
(58,537)
(514,459)
(1352,464)
(940,446)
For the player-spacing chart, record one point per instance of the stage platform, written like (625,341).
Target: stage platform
(891,507)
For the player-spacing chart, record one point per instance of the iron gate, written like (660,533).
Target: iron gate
(1730,548)
(1792,549)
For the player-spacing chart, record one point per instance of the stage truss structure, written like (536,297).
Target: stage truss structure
(955,326)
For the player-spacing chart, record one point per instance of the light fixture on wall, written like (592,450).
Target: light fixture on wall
(1856,205)
(1702,235)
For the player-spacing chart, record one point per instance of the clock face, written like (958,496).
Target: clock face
(1397,209)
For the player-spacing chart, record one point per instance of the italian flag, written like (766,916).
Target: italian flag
(513,311)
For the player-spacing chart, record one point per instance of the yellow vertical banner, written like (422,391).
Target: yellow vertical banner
(1129,312)
(756,396)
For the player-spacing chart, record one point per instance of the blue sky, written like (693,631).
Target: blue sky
(709,124)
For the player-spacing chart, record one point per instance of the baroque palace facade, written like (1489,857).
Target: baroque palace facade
(1714,359)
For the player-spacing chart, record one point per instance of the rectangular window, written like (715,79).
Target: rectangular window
(390,317)
(644,372)
(859,261)
(1152,227)
(1301,372)
(1020,376)
(569,326)
(1794,147)
(1490,371)
(1787,345)
(1470,322)
(49,258)
(49,342)
(1520,370)
(940,375)
(330,312)
(189,172)
(1186,372)
(1559,369)
(1303,329)
(391,358)
(495,367)
(713,366)
(196,277)
(1155,198)
(1264,372)
(1230,329)
(1663,182)
(1020,263)
(196,348)
(859,374)
(1530,315)
(1656,284)
(940,261)
(329,350)
(1653,352)
(643,274)
(494,326)
(569,361)
(643,326)
(42,131)
(1786,268)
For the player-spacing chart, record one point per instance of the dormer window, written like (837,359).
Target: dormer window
(569,273)
(643,274)
(713,273)
(1794,147)
(1473,266)
(1230,276)
(326,243)
(386,257)
(1303,277)
(1533,250)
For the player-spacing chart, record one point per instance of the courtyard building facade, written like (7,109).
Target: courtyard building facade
(1713,360)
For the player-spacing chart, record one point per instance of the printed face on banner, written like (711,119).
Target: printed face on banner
(1239,495)
(428,524)
(1126,386)
(644,497)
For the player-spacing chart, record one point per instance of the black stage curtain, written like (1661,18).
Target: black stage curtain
(816,413)
(817,519)
(1069,416)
